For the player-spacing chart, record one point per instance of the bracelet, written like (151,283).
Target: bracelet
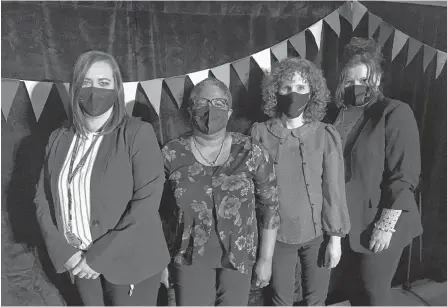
(384,229)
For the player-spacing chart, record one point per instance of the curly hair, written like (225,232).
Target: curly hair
(364,51)
(286,70)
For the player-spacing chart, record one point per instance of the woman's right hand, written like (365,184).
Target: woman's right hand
(73,261)
(165,277)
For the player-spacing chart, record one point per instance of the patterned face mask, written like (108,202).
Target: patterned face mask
(292,104)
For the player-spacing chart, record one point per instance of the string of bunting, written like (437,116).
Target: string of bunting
(353,12)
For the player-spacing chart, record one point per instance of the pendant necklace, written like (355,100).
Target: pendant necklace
(211,163)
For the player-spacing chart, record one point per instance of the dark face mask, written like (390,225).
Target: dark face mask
(209,119)
(96,101)
(292,104)
(355,95)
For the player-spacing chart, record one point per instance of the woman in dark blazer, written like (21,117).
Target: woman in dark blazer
(382,166)
(99,192)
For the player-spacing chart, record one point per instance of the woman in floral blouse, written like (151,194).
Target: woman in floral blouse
(217,179)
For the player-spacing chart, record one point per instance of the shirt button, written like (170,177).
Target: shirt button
(304,163)
(307,185)
(95,223)
(281,142)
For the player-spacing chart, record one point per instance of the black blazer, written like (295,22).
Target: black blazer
(126,187)
(385,165)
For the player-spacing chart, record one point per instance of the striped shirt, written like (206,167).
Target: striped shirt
(80,190)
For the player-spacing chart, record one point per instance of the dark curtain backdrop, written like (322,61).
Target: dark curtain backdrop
(41,41)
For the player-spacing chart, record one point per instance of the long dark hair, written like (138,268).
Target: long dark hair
(83,64)
(364,51)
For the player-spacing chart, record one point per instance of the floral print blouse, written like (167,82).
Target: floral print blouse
(222,198)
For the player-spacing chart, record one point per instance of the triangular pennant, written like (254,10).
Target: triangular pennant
(38,93)
(385,32)
(441,59)
(198,76)
(346,12)
(152,88)
(263,59)
(242,68)
(373,24)
(299,43)
(280,50)
(222,73)
(64,94)
(413,48)
(9,90)
(358,10)
(429,54)
(333,20)
(399,41)
(177,86)
(130,91)
(316,30)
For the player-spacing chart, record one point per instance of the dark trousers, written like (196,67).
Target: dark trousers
(94,292)
(315,279)
(367,277)
(200,285)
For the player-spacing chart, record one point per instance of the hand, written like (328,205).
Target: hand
(83,270)
(380,240)
(263,272)
(165,277)
(332,253)
(73,261)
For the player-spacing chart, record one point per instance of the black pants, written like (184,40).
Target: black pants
(315,279)
(367,277)
(200,285)
(94,292)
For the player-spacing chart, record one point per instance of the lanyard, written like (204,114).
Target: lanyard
(72,172)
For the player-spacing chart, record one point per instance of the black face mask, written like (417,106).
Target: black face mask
(355,95)
(209,119)
(96,101)
(292,104)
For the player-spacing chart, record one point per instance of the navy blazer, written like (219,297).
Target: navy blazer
(126,187)
(385,165)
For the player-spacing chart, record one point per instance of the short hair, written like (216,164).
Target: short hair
(361,51)
(285,70)
(211,82)
(82,65)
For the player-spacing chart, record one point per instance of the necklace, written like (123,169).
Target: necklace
(211,163)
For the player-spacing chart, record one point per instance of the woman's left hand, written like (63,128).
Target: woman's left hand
(380,240)
(263,272)
(83,270)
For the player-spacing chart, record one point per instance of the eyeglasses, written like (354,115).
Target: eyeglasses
(199,102)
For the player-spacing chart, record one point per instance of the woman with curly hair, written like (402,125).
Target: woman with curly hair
(308,161)
(382,165)
(216,179)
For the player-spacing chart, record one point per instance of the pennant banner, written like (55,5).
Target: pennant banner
(353,12)
(9,90)
(242,68)
(222,73)
(385,32)
(280,50)
(373,24)
(441,59)
(38,93)
(316,29)
(299,43)
(358,11)
(198,76)
(176,86)
(130,91)
(413,49)
(152,88)
(429,54)
(399,41)
(263,59)
(63,90)
(333,20)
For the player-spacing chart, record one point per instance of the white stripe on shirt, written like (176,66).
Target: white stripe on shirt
(80,189)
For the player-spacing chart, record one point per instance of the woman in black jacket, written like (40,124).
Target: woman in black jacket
(382,166)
